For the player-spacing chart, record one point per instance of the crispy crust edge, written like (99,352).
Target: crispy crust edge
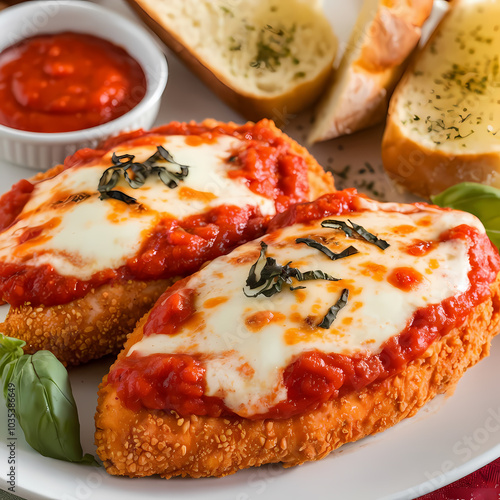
(156,442)
(426,172)
(86,328)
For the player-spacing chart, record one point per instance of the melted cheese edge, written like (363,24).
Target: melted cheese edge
(246,343)
(80,239)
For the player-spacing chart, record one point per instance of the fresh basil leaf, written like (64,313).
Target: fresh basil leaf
(331,315)
(139,176)
(324,249)
(367,236)
(11,349)
(167,178)
(117,160)
(274,275)
(118,195)
(184,169)
(252,281)
(478,199)
(108,180)
(339,224)
(136,173)
(311,275)
(44,404)
(355,230)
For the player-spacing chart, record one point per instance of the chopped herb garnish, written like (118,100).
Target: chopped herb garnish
(355,231)
(274,275)
(136,173)
(226,10)
(334,310)
(273,45)
(118,195)
(322,248)
(342,173)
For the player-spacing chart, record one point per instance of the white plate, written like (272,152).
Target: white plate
(449,438)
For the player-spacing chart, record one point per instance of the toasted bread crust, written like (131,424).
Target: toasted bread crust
(253,107)
(157,442)
(427,172)
(359,94)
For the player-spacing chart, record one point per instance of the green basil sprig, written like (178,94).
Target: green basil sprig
(43,402)
(136,173)
(478,199)
(274,275)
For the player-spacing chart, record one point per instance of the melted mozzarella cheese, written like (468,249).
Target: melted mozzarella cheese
(93,234)
(247,342)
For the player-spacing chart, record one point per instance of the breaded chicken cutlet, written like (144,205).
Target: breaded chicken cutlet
(347,317)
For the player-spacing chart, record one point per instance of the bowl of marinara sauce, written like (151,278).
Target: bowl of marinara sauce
(71,74)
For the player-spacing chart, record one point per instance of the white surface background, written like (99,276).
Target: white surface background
(449,438)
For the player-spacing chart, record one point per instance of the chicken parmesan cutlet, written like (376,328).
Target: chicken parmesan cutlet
(87,247)
(348,316)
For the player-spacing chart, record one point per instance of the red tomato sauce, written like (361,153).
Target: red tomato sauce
(175,247)
(420,248)
(67,81)
(405,278)
(314,377)
(13,202)
(281,176)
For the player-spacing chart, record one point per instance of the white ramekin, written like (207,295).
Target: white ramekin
(43,150)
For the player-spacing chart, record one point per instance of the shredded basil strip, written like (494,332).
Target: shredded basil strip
(36,389)
(118,195)
(324,249)
(355,231)
(274,275)
(331,315)
(136,174)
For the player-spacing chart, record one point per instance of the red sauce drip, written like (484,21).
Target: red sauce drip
(173,381)
(290,184)
(13,202)
(174,310)
(420,248)
(181,247)
(405,278)
(316,377)
(67,81)
(174,247)
(338,203)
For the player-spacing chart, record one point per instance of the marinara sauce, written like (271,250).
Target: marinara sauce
(177,381)
(174,247)
(67,81)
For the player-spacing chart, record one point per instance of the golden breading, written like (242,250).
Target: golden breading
(87,328)
(157,442)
